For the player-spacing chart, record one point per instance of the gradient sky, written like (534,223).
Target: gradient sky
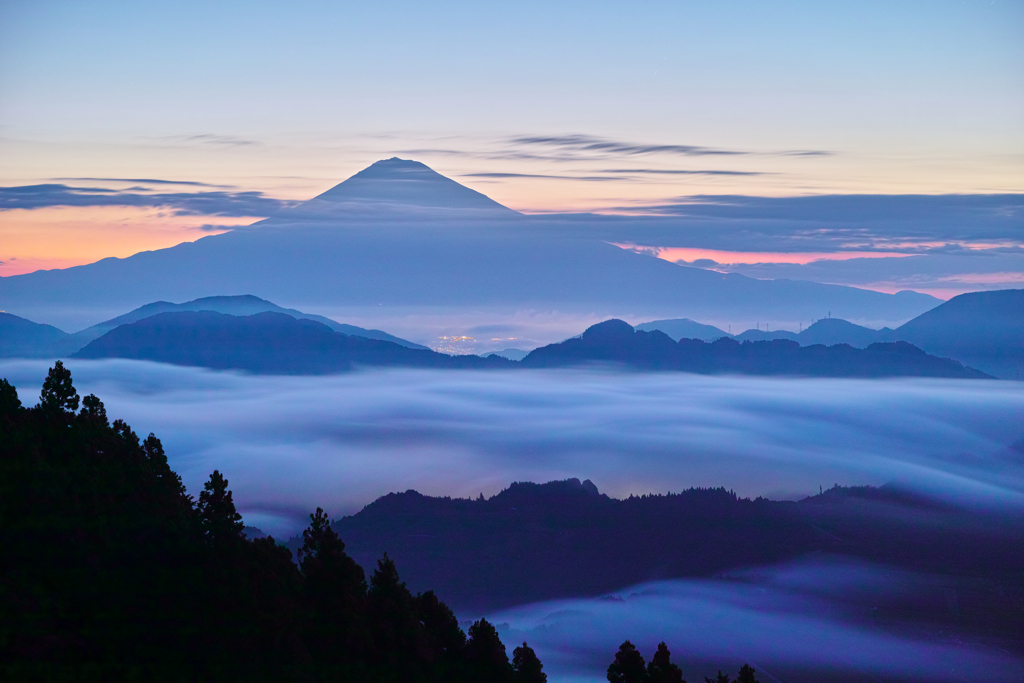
(543,106)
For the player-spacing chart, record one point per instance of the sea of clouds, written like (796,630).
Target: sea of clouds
(806,621)
(289,444)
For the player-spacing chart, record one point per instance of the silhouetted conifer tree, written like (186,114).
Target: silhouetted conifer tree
(445,641)
(218,518)
(58,395)
(720,678)
(397,632)
(157,459)
(527,666)
(10,404)
(119,575)
(661,669)
(93,414)
(746,675)
(486,657)
(628,666)
(335,588)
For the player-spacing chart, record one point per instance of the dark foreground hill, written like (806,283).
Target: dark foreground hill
(272,343)
(564,539)
(111,572)
(614,341)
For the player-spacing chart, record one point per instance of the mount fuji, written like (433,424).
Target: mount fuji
(399,235)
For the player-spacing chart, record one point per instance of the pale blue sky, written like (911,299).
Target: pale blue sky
(929,95)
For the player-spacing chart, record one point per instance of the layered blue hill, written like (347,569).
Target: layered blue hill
(615,341)
(21,338)
(275,343)
(981,329)
(270,343)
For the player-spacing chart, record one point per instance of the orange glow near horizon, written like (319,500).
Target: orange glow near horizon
(687,254)
(62,237)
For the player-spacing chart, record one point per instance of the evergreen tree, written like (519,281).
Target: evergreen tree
(527,666)
(10,404)
(119,575)
(444,640)
(93,414)
(398,639)
(218,518)
(335,596)
(746,675)
(628,666)
(486,657)
(58,396)
(720,678)
(157,459)
(661,669)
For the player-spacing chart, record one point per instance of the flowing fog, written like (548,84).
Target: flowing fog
(809,621)
(289,444)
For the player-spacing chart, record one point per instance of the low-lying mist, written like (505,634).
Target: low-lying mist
(809,621)
(289,444)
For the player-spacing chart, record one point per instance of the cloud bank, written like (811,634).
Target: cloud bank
(288,444)
(809,621)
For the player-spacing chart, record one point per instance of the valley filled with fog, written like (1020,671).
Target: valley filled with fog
(288,444)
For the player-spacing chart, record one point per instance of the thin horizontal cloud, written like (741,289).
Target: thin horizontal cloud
(549,177)
(589,143)
(211,139)
(1008,208)
(146,181)
(213,203)
(661,171)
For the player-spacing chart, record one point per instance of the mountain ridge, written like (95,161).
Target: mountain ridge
(357,253)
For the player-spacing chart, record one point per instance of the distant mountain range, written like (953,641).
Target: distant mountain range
(277,343)
(615,341)
(273,343)
(400,235)
(983,330)
(20,338)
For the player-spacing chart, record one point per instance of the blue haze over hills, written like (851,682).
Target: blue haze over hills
(981,330)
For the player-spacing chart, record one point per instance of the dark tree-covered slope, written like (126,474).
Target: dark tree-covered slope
(110,571)
(563,539)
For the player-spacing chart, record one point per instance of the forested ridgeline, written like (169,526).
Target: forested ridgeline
(562,539)
(111,571)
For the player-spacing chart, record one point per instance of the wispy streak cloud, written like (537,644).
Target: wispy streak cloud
(210,203)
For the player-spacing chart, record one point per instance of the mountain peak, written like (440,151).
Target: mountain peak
(407,183)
